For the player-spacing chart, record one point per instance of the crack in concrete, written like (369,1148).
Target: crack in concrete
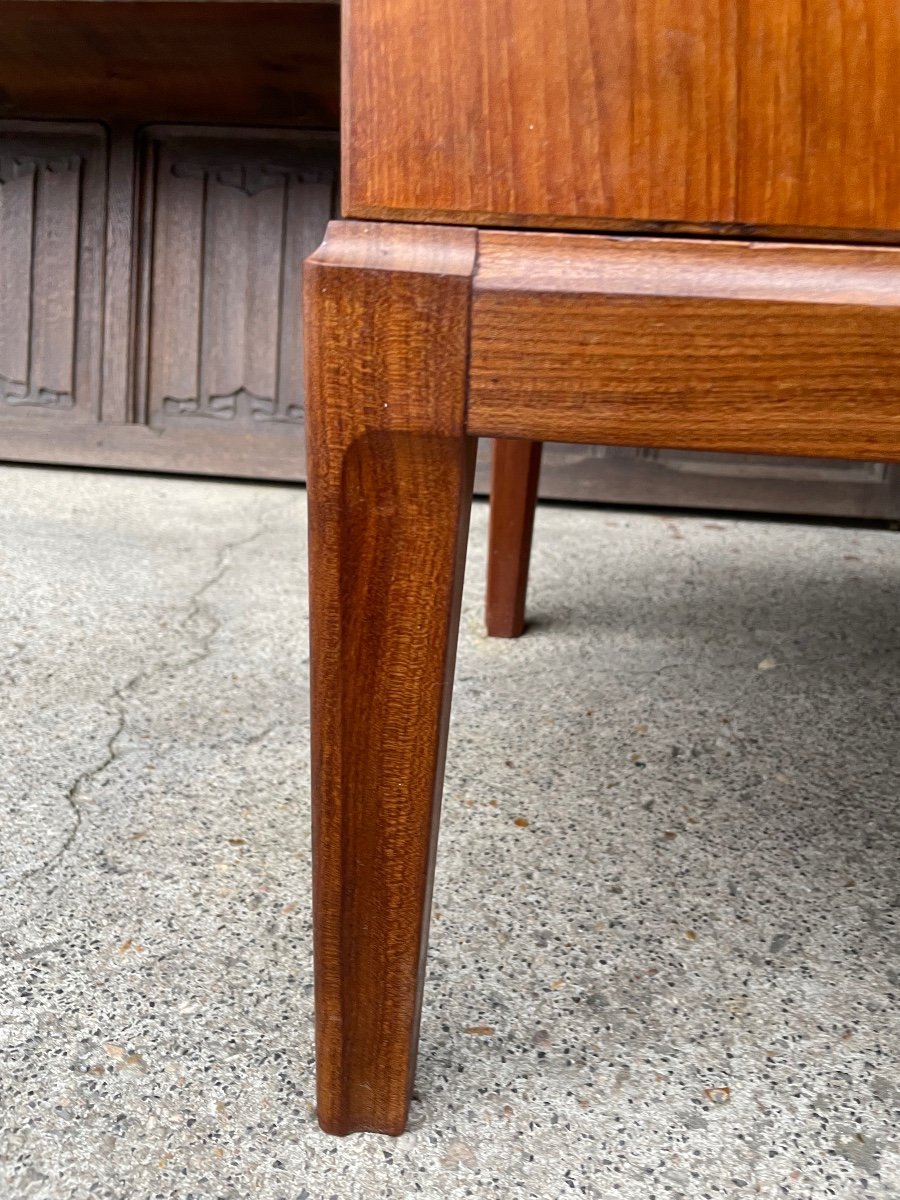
(72,793)
(118,696)
(197,609)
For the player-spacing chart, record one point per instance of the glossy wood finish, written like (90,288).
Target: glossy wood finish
(643,115)
(819,96)
(708,346)
(514,484)
(762,116)
(705,345)
(390,480)
(531,110)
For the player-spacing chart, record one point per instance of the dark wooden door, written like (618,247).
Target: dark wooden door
(150,300)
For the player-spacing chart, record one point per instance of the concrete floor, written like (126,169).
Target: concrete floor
(664,956)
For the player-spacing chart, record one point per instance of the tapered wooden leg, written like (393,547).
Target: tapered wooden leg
(390,481)
(514,483)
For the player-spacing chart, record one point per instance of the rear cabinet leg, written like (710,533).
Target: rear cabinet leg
(390,483)
(514,484)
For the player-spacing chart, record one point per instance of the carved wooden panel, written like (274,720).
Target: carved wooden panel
(226,225)
(52,201)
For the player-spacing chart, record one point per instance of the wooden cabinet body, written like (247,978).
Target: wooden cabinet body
(741,117)
(763,119)
(762,125)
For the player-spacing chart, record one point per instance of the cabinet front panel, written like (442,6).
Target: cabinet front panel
(587,109)
(738,117)
(820,114)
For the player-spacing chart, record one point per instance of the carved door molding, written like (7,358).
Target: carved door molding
(150,299)
(227,225)
(52,216)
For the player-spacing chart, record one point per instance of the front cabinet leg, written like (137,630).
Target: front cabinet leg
(390,484)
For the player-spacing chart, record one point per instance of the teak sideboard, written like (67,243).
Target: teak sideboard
(650,223)
(637,222)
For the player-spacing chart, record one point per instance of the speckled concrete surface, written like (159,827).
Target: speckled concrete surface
(664,956)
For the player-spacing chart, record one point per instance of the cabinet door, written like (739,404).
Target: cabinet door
(736,117)
(541,112)
(227,221)
(52,230)
(819,97)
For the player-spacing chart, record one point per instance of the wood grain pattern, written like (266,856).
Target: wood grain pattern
(742,348)
(514,485)
(589,110)
(819,96)
(389,480)
(738,117)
